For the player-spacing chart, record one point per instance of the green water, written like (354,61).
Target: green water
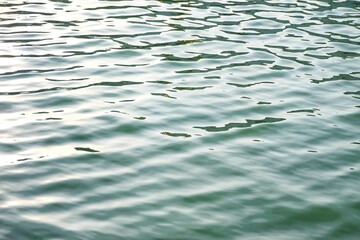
(179,120)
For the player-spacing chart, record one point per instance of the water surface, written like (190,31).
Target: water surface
(179,119)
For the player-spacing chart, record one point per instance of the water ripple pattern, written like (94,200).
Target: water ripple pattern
(179,119)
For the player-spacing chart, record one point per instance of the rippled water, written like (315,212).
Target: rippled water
(179,119)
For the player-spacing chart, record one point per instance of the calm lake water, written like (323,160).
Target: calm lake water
(179,120)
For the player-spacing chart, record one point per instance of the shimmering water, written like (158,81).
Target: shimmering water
(179,119)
